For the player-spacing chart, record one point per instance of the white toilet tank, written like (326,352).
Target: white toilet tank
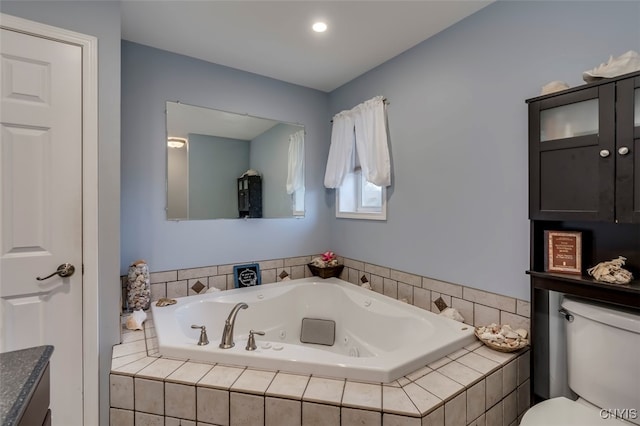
(603,348)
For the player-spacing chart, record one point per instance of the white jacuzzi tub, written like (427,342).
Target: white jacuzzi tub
(376,338)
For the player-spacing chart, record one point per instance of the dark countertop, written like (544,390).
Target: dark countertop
(20,373)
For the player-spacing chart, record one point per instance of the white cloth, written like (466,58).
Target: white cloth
(371,142)
(368,142)
(340,161)
(295,169)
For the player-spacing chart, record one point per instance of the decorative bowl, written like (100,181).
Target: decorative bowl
(326,272)
(502,347)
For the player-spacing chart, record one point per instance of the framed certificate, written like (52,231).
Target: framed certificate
(563,252)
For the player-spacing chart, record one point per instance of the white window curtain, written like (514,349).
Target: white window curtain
(340,161)
(369,139)
(295,169)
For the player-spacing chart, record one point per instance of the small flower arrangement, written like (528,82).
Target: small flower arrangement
(326,265)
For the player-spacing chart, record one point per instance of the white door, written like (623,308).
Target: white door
(41,214)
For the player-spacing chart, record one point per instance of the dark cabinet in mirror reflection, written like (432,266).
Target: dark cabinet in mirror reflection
(250,196)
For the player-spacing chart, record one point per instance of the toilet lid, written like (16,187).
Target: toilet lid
(562,411)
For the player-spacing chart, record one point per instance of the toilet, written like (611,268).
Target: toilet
(603,358)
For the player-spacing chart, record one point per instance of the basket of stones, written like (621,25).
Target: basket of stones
(502,337)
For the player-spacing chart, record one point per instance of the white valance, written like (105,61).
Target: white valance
(295,169)
(363,128)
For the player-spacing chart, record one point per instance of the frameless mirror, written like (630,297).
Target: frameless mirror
(223,165)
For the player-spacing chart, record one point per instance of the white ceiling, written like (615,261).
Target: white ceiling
(274,38)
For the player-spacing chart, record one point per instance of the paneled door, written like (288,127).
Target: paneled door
(41,214)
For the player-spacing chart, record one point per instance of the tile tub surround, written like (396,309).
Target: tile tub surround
(478,307)
(472,386)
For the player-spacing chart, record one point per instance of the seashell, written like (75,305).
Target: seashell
(135,320)
(213,290)
(366,285)
(453,314)
(166,302)
(522,333)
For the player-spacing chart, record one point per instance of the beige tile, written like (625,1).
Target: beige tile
(435,296)
(523,308)
(418,373)
(499,357)
(439,385)
(268,276)
(246,410)
(328,391)
(187,274)
(422,298)
(127,359)
(189,373)
(485,315)
(190,283)
(442,287)
(297,261)
(180,401)
(509,408)
(377,270)
(377,284)
(129,336)
(515,321)
(177,289)
(288,385)
(354,276)
(473,346)
(350,263)
(524,367)
(118,417)
(476,400)
(160,368)
(144,419)
(457,354)
(287,270)
(135,366)
(129,348)
(494,388)
(493,416)
(121,391)
(523,396)
(439,363)
(390,288)
(460,373)
(405,291)
(465,308)
(297,272)
(225,269)
(455,411)
(480,421)
(497,301)
(320,414)
(362,395)
(403,381)
(163,277)
(412,280)
(253,381)
(395,400)
(221,377)
(172,421)
(478,363)
(271,264)
(282,412)
(509,377)
(212,406)
(435,418)
(397,420)
(422,399)
(356,417)
(149,396)
(218,281)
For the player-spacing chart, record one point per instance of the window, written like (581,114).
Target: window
(358,199)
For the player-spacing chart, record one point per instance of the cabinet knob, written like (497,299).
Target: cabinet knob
(604,153)
(623,151)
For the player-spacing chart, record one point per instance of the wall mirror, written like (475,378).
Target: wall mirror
(223,165)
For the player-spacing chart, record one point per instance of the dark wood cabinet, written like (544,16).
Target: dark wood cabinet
(584,175)
(584,152)
(250,197)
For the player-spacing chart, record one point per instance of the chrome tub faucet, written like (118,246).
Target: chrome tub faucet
(227,334)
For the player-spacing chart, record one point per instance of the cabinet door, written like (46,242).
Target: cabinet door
(628,151)
(571,155)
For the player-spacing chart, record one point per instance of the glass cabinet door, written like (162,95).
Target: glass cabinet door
(568,121)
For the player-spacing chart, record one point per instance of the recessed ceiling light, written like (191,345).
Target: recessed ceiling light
(174,142)
(319,27)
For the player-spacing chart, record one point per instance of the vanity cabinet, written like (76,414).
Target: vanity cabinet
(584,175)
(250,197)
(584,152)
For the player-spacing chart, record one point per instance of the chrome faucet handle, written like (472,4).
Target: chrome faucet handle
(203,340)
(251,342)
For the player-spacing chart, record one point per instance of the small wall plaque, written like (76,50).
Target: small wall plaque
(563,252)
(246,275)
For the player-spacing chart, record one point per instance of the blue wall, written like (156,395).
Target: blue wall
(458,204)
(150,77)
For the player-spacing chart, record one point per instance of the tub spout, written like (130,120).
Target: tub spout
(227,334)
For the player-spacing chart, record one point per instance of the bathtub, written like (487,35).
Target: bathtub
(377,339)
